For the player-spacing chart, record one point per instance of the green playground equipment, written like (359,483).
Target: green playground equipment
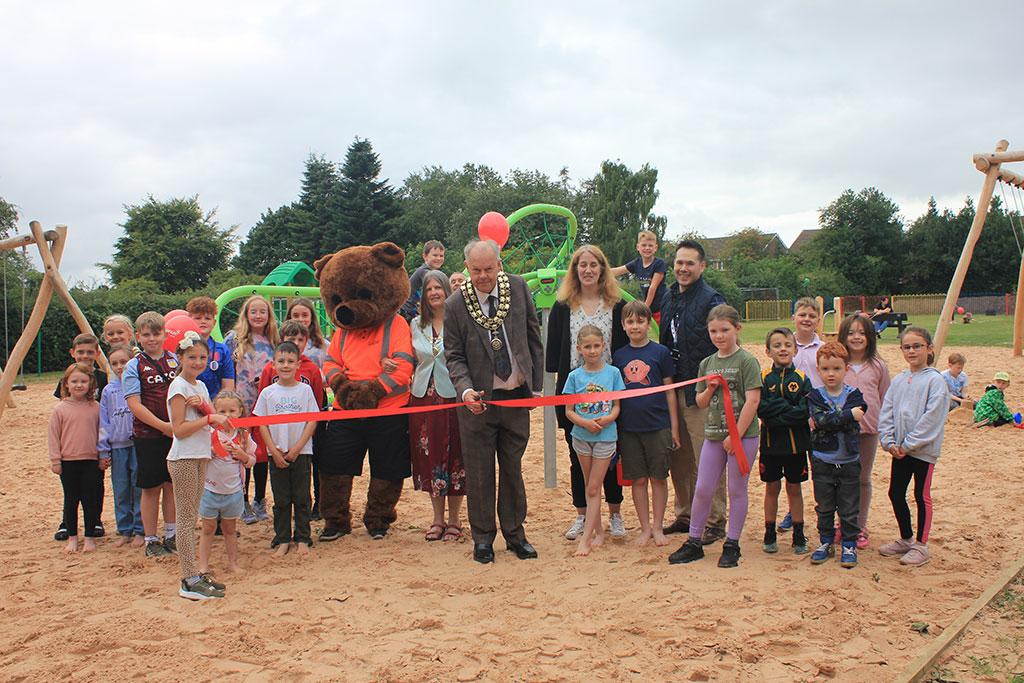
(291,273)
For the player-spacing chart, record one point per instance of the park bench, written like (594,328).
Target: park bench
(899,321)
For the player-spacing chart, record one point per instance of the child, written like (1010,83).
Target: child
(991,409)
(806,314)
(303,311)
(74,432)
(188,403)
(837,410)
(252,343)
(911,427)
(648,425)
(221,502)
(145,380)
(290,447)
(743,382)
(649,270)
(84,349)
(433,259)
(956,380)
(115,443)
(118,331)
(219,374)
(785,437)
(869,373)
(594,434)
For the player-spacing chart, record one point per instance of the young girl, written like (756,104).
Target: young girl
(252,345)
(188,458)
(118,331)
(115,442)
(594,435)
(742,375)
(911,427)
(233,452)
(869,373)
(302,309)
(74,433)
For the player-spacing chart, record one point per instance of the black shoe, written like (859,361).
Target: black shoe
(332,534)
(712,535)
(314,513)
(483,553)
(62,533)
(688,552)
(524,551)
(730,555)
(218,532)
(378,534)
(171,544)
(680,526)
(98,531)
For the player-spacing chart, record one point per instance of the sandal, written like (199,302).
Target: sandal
(453,533)
(432,535)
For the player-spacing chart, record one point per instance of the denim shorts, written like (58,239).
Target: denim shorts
(220,505)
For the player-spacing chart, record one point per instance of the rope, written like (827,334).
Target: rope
(1016,204)
(7,339)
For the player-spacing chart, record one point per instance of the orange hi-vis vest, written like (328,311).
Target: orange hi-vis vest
(357,354)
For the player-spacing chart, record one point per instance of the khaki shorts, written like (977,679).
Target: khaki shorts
(645,454)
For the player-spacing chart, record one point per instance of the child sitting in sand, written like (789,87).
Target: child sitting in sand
(991,410)
(956,380)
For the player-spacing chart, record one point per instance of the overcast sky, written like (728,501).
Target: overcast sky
(753,113)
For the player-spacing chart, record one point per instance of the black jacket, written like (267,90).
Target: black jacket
(783,411)
(684,330)
(559,344)
(830,425)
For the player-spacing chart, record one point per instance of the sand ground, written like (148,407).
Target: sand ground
(403,609)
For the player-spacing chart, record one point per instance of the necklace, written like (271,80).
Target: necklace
(492,325)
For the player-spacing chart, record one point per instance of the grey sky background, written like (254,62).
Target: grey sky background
(753,113)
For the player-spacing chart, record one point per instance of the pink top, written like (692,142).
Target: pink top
(74,430)
(872,378)
(806,360)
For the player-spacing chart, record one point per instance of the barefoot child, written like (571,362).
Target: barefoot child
(188,458)
(648,425)
(115,443)
(869,373)
(594,433)
(74,432)
(956,380)
(837,410)
(233,451)
(742,375)
(145,381)
(290,448)
(785,437)
(911,427)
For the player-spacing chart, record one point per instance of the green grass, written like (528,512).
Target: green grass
(984,330)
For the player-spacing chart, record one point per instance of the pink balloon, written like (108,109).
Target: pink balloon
(176,326)
(960,310)
(493,226)
(176,312)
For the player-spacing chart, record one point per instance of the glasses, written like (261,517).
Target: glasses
(913,347)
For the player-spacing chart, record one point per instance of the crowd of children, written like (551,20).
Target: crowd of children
(819,410)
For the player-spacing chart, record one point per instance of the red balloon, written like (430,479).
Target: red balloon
(176,326)
(173,314)
(493,226)
(960,310)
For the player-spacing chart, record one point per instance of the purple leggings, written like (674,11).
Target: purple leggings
(712,464)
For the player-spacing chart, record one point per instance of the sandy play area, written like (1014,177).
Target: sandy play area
(403,609)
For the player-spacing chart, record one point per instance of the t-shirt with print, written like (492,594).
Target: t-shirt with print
(644,367)
(280,400)
(196,444)
(741,372)
(644,274)
(226,475)
(580,381)
(148,378)
(219,366)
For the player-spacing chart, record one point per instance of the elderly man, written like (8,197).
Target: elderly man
(494,351)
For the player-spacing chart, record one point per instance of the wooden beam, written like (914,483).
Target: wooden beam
(981,212)
(1018,315)
(10,399)
(19,241)
(999,157)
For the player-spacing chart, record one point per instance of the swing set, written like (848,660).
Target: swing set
(50,244)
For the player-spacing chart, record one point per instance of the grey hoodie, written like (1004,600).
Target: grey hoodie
(914,414)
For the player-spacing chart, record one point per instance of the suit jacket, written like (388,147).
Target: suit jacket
(467,346)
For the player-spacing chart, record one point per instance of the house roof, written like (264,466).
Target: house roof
(714,247)
(803,239)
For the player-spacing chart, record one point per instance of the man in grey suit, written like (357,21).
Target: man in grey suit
(493,349)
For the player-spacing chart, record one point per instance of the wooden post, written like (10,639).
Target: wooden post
(10,399)
(981,212)
(550,423)
(821,318)
(1018,315)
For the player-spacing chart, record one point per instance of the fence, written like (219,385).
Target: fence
(772,309)
(911,304)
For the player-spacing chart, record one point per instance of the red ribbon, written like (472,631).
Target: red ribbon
(535,402)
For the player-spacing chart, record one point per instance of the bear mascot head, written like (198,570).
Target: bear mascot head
(362,289)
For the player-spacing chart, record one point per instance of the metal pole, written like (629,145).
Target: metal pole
(550,424)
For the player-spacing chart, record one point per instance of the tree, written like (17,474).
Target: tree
(284,234)
(753,244)
(172,243)
(8,218)
(312,232)
(618,205)
(861,238)
(368,207)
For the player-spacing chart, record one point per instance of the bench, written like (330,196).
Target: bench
(897,320)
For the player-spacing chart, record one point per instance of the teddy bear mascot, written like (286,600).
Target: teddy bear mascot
(369,365)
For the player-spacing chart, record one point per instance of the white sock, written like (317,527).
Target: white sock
(169,529)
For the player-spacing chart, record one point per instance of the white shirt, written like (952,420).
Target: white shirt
(279,400)
(516,378)
(226,475)
(196,445)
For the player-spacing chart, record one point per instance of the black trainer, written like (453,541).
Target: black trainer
(730,554)
(688,552)
(712,535)
(62,533)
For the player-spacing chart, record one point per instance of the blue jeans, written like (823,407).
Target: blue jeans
(880,325)
(124,467)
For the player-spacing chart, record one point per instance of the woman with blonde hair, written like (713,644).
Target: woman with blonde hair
(588,295)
